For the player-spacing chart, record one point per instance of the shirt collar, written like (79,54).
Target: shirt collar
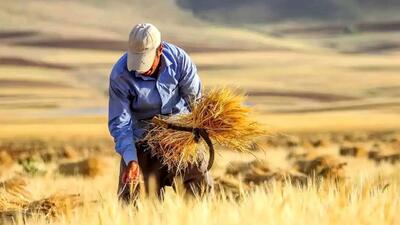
(166,60)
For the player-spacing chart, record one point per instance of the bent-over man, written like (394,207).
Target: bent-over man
(152,78)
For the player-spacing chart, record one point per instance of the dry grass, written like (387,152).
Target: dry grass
(54,205)
(260,191)
(15,184)
(365,201)
(13,195)
(16,200)
(221,112)
(49,208)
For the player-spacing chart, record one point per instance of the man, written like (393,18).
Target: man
(153,78)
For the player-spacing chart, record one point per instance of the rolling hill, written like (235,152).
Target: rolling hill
(55,58)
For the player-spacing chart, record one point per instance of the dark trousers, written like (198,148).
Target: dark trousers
(196,179)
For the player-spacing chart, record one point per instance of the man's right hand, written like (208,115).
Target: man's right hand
(131,173)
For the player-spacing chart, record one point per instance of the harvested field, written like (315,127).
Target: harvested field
(326,92)
(330,168)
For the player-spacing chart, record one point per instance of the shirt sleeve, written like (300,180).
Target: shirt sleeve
(120,122)
(189,84)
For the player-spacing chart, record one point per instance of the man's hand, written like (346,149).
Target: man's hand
(131,173)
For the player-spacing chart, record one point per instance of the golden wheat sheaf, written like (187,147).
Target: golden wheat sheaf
(221,112)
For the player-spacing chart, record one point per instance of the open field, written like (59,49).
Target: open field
(311,178)
(328,94)
(287,79)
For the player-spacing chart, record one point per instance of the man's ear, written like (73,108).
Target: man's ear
(159,50)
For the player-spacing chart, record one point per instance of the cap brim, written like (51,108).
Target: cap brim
(141,62)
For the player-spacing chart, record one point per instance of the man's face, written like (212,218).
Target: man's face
(156,61)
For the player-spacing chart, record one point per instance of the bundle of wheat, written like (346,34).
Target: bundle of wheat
(69,152)
(221,113)
(354,151)
(292,177)
(230,186)
(259,172)
(243,168)
(12,206)
(91,167)
(5,159)
(15,185)
(322,167)
(13,196)
(392,158)
(52,206)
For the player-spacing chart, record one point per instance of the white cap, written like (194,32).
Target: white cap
(144,40)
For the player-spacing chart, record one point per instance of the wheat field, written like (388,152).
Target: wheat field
(329,100)
(361,202)
(66,181)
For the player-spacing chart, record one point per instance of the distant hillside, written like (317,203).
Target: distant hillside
(262,11)
(105,24)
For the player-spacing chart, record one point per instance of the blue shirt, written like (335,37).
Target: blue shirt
(134,98)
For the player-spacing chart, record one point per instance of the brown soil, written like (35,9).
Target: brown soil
(322,97)
(343,28)
(29,106)
(375,48)
(4,83)
(121,45)
(341,108)
(16,34)
(77,43)
(217,67)
(14,61)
